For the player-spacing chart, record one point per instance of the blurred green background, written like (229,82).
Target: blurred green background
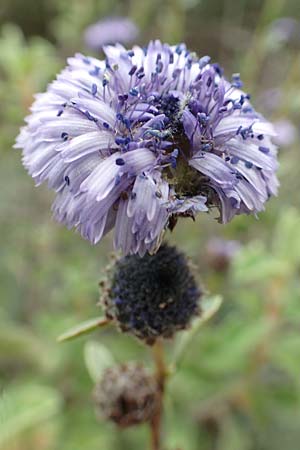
(239,383)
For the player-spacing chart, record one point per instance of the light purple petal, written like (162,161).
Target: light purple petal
(214,167)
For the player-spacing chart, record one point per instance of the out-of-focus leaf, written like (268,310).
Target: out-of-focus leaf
(97,358)
(188,4)
(20,346)
(24,407)
(254,263)
(209,307)
(286,242)
(83,328)
(232,436)
(237,341)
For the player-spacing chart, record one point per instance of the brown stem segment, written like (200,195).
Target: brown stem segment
(161,374)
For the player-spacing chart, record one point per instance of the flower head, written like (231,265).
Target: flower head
(126,395)
(110,31)
(144,137)
(154,296)
(287,133)
(220,252)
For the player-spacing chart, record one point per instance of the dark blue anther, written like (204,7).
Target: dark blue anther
(206,147)
(95,71)
(122,141)
(237,106)
(218,69)
(159,67)
(236,81)
(120,162)
(189,63)
(260,137)
(264,149)
(90,117)
(202,118)
(64,136)
(94,89)
(134,92)
(204,61)
(140,75)
(127,123)
(67,180)
(179,48)
(176,73)
(132,70)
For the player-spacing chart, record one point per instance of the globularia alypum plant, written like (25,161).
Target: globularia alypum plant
(132,143)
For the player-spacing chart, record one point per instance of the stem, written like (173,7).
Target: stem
(161,374)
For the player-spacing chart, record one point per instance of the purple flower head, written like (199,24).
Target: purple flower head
(110,31)
(146,136)
(285,30)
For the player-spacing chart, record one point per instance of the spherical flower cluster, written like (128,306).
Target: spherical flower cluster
(145,136)
(154,296)
(126,395)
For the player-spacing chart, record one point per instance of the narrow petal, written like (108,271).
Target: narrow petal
(214,167)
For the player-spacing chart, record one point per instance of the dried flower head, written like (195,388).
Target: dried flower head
(146,136)
(126,395)
(110,31)
(153,296)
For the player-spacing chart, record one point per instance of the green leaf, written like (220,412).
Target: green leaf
(231,349)
(286,242)
(24,407)
(97,358)
(209,307)
(255,263)
(18,345)
(233,436)
(83,328)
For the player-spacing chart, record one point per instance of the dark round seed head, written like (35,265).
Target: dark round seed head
(153,296)
(126,395)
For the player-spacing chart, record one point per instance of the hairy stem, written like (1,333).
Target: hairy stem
(161,374)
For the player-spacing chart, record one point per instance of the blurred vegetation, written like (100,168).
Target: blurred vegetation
(238,387)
